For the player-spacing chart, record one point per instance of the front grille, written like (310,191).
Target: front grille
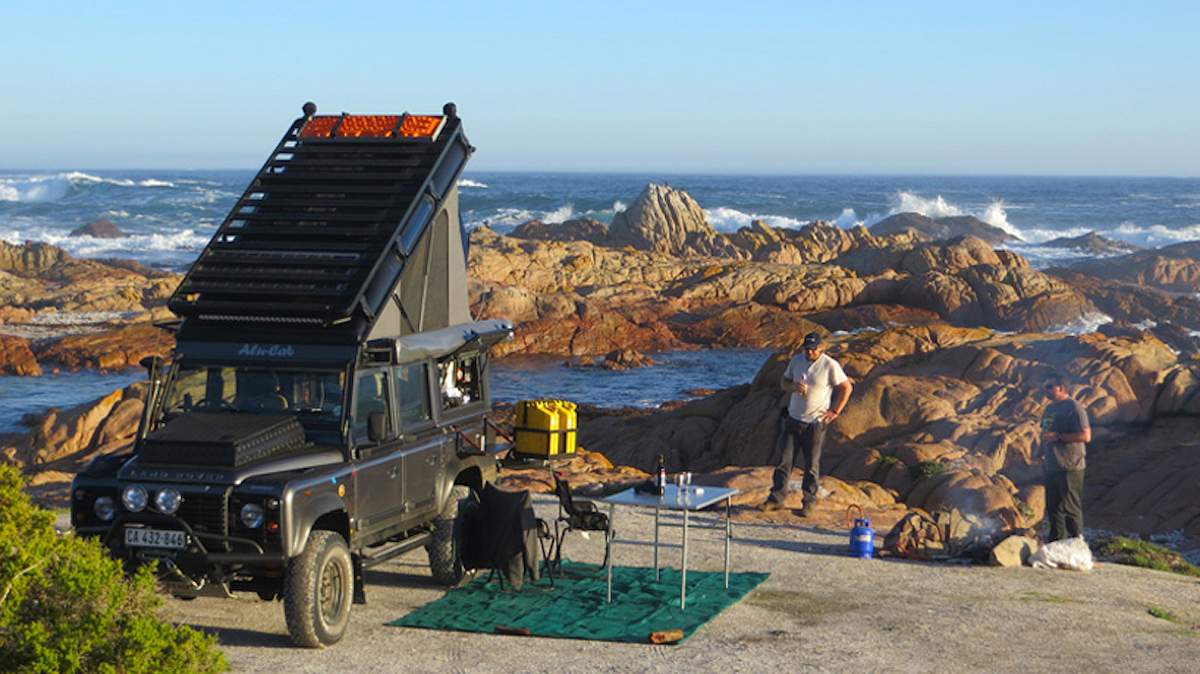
(205,513)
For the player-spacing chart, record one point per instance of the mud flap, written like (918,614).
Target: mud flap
(360,591)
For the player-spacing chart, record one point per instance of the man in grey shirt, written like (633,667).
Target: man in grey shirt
(1065,432)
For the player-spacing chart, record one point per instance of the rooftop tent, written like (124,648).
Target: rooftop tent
(349,231)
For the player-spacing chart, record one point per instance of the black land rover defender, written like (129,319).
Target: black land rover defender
(324,408)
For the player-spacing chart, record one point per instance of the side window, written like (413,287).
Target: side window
(412,391)
(370,395)
(458,381)
(468,378)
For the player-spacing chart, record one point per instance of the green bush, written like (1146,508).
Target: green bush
(926,469)
(66,606)
(1135,552)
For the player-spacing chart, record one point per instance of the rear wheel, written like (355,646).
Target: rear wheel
(318,591)
(445,550)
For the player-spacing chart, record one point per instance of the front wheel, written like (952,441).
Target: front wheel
(445,550)
(318,591)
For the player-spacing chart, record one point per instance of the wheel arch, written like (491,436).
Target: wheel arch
(326,512)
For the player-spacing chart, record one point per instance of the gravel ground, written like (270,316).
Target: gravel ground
(819,610)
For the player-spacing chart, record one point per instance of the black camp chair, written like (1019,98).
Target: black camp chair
(500,536)
(576,516)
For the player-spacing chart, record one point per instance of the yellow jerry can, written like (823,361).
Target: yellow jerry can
(568,424)
(544,427)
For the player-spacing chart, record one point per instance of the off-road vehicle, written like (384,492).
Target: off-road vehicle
(324,406)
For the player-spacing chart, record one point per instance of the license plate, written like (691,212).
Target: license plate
(155,538)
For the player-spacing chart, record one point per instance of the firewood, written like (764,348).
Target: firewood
(666,636)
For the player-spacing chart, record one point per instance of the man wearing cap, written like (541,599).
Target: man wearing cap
(1065,432)
(819,392)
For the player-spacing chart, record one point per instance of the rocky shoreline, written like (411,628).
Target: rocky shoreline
(946,333)
(58,312)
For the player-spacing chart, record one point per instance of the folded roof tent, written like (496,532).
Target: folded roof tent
(350,231)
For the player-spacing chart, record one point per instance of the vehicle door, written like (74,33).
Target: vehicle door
(378,485)
(423,448)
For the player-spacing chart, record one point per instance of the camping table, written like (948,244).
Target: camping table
(688,501)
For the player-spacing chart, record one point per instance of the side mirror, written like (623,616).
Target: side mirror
(151,363)
(376,426)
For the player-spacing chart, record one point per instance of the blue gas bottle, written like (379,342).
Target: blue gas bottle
(862,539)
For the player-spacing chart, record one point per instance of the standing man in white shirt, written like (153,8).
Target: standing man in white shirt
(819,392)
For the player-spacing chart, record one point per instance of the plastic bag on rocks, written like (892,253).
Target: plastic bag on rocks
(1070,553)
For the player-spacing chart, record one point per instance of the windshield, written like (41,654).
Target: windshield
(315,394)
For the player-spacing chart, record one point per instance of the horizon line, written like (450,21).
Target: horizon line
(645,172)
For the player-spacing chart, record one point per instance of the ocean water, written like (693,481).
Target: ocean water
(34,395)
(172,214)
(673,376)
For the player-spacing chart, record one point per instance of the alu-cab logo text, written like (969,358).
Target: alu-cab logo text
(267,351)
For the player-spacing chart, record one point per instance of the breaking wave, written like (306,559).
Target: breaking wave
(168,248)
(1086,324)
(467,182)
(937,207)
(56,186)
(725,219)
(847,219)
(504,219)
(1152,236)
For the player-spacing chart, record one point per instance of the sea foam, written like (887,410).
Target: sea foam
(725,219)
(1086,324)
(904,201)
(56,186)
(170,247)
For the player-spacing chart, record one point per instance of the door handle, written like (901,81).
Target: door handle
(393,472)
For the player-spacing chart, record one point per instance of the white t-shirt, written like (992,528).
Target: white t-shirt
(821,375)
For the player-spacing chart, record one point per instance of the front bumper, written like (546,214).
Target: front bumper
(199,553)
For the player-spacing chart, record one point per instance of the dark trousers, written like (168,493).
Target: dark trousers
(808,438)
(1064,503)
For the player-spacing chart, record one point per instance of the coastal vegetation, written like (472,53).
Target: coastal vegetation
(66,606)
(1144,554)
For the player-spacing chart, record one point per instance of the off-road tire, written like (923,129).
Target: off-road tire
(445,550)
(318,591)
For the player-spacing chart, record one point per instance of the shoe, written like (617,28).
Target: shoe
(808,510)
(770,505)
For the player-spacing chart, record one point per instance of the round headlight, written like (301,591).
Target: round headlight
(104,508)
(134,497)
(167,500)
(252,516)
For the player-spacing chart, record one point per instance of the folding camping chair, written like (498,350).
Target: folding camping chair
(576,516)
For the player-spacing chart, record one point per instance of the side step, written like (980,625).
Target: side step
(374,556)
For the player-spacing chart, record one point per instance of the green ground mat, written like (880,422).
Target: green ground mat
(576,608)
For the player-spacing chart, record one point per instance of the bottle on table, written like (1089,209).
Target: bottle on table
(660,476)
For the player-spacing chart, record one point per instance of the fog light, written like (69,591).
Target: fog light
(134,497)
(104,508)
(252,516)
(167,501)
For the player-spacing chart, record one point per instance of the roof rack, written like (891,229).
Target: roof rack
(323,233)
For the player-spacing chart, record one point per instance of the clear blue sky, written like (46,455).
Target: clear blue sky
(737,87)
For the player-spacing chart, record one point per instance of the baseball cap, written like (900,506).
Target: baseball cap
(812,340)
